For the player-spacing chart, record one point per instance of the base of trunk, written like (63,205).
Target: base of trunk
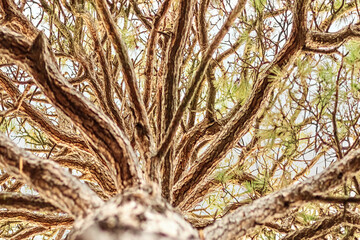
(135,214)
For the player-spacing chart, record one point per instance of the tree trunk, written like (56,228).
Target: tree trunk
(138,213)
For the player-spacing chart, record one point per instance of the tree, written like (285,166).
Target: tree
(179,119)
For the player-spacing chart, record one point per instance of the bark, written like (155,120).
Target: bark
(150,50)
(45,220)
(274,205)
(334,39)
(188,143)
(198,78)
(143,210)
(16,20)
(56,185)
(171,79)
(322,225)
(107,140)
(135,214)
(142,122)
(15,201)
(28,233)
(239,125)
(56,134)
(90,167)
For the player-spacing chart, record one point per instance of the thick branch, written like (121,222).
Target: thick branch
(278,203)
(88,166)
(46,220)
(238,126)
(56,134)
(334,39)
(171,80)
(108,142)
(142,122)
(18,201)
(150,49)
(198,77)
(53,183)
(108,79)
(188,143)
(322,225)
(16,20)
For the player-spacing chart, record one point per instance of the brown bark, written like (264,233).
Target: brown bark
(109,143)
(118,152)
(142,122)
(57,186)
(16,20)
(171,78)
(40,120)
(239,125)
(15,201)
(150,50)
(90,166)
(197,78)
(334,39)
(28,233)
(278,203)
(46,220)
(316,229)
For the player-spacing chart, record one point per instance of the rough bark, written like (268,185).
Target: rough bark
(239,125)
(54,184)
(322,225)
(107,140)
(40,120)
(118,139)
(135,214)
(171,79)
(142,122)
(15,201)
(198,77)
(275,205)
(45,220)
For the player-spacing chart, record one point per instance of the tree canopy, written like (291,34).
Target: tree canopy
(179,119)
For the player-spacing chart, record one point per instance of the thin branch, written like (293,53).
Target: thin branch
(139,14)
(28,232)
